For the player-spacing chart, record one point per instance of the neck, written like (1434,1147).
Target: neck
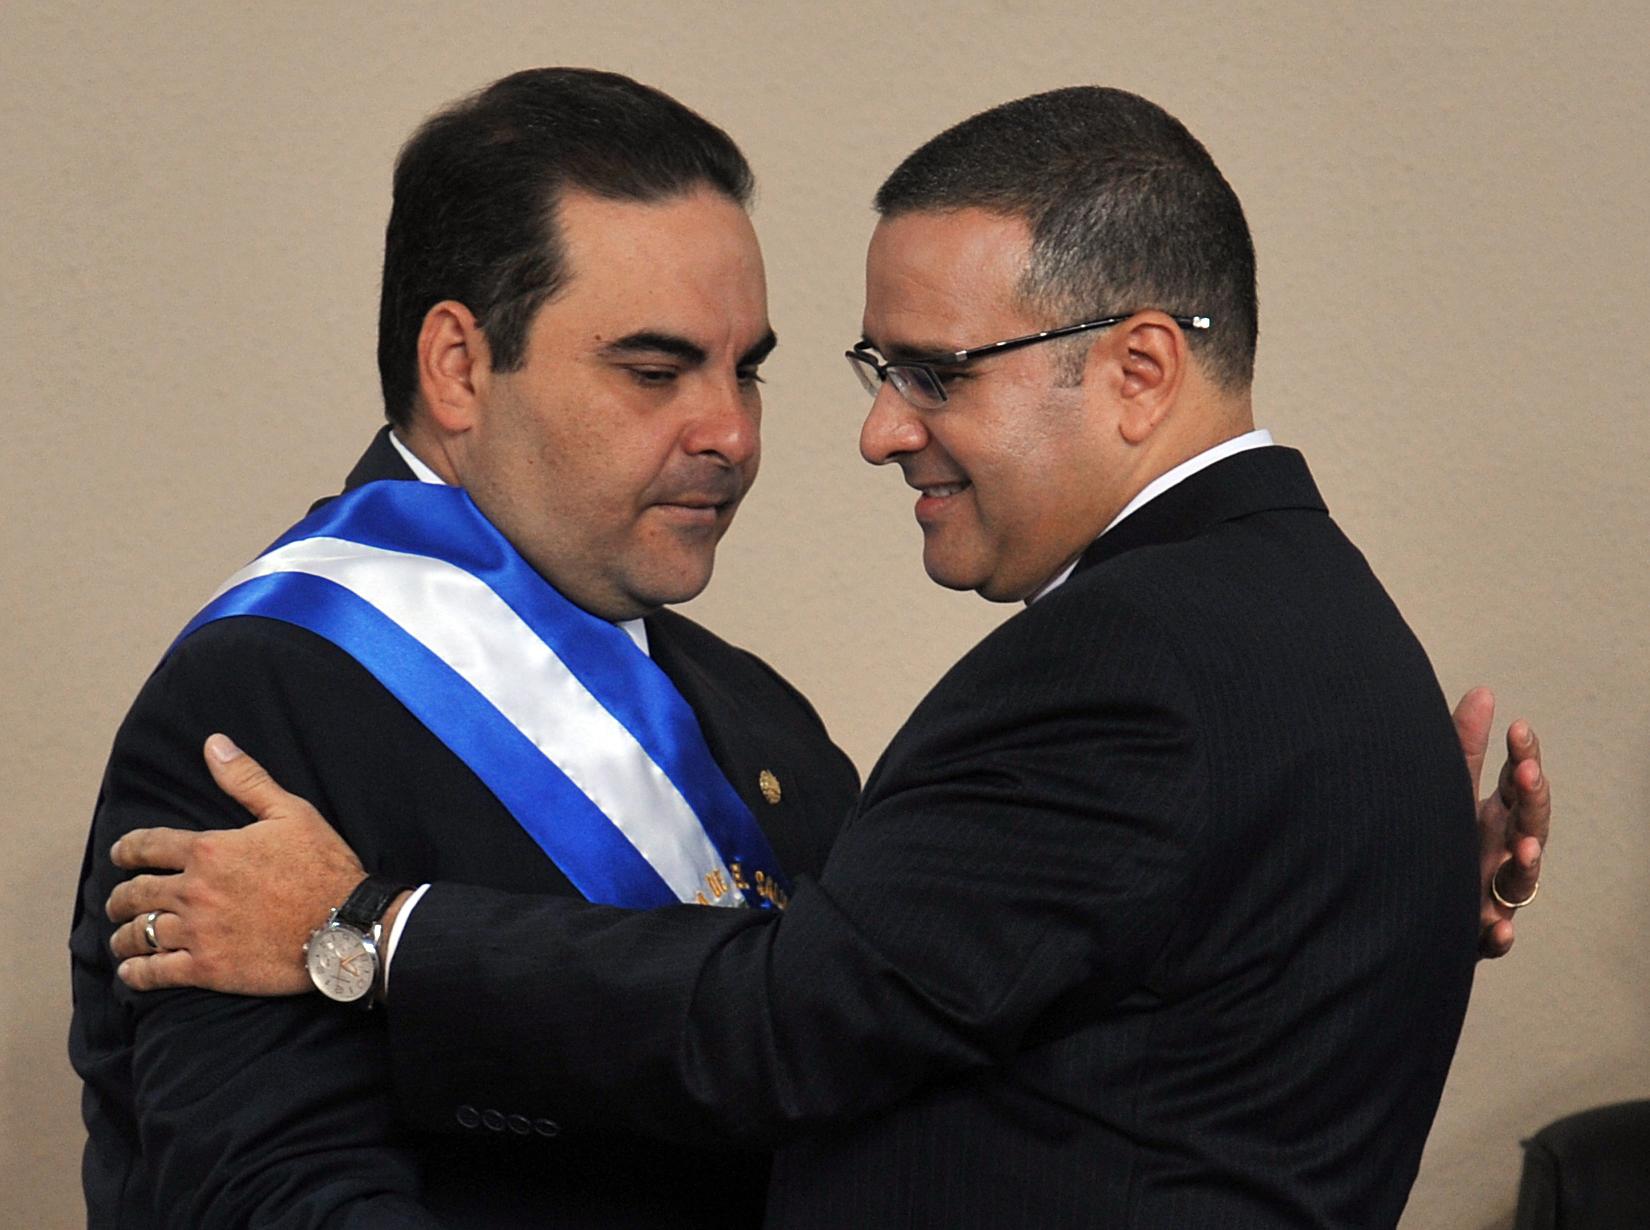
(1195,428)
(425,444)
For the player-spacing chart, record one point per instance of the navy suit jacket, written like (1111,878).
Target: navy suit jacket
(1160,911)
(206,1110)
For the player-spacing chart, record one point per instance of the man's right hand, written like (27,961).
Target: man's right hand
(235,915)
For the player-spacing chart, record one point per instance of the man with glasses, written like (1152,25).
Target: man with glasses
(1162,908)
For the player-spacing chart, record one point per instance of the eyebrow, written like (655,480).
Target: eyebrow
(763,348)
(651,341)
(938,353)
(648,341)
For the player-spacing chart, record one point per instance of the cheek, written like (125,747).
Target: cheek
(1012,472)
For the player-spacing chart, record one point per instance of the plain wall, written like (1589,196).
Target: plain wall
(1449,203)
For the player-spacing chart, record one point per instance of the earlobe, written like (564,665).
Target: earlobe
(452,363)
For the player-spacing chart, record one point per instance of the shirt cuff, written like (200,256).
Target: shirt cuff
(395,932)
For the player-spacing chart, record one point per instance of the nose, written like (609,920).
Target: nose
(727,424)
(892,428)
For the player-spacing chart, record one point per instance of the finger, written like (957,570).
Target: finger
(1532,802)
(1517,878)
(1496,940)
(130,940)
(1526,852)
(1473,716)
(141,894)
(159,849)
(1522,748)
(243,778)
(160,970)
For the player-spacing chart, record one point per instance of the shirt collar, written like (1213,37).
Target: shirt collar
(415,463)
(1260,438)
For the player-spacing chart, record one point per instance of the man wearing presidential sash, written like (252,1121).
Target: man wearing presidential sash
(469,653)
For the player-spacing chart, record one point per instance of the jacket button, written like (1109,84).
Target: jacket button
(492,1120)
(467,1117)
(546,1127)
(519,1124)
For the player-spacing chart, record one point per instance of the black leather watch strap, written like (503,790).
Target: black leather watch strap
(366,905)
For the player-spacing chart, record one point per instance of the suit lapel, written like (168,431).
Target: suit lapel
(745,748)
(1257,480)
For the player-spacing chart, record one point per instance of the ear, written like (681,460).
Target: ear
(1145,363)
(453,365)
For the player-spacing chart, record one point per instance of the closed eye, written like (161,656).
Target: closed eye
(653,377)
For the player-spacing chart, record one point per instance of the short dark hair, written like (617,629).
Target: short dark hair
(1126,209)
(478,185)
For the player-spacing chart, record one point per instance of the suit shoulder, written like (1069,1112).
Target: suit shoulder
(250,661)
(285,694)
(247,638)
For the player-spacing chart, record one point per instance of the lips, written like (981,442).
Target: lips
(697,503)
(705,505)
(933,498)
(693,502)
(713,492)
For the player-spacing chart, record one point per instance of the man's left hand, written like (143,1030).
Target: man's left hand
(1512,822)
(243,901)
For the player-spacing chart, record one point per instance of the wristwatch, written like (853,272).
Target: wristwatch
(342,953)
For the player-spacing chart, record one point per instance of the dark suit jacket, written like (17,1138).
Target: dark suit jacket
(206,1110)
(1159,912)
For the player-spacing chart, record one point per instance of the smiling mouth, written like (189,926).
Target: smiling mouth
(934,498)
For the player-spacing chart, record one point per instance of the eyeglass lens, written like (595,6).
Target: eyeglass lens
(917,385)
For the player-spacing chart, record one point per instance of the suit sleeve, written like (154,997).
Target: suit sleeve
(248,1112)
(1026,845)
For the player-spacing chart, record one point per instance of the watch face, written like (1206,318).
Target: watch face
(340,963)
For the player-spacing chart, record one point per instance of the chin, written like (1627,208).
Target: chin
(986,585)
(668,586)
(950,574)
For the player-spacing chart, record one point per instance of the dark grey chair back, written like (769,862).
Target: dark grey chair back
(1588,1171)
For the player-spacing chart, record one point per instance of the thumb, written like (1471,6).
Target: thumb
(1473,717)
(243,778)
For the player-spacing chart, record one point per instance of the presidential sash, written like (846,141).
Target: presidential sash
(574,729)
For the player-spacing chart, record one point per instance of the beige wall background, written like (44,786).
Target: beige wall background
(1449,203)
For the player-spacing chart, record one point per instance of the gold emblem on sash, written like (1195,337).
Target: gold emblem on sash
(768,784)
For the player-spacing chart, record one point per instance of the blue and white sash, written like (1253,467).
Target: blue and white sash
(577,732)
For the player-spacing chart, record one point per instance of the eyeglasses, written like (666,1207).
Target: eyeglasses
(922,386)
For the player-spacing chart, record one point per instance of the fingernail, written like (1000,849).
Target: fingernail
(1537,779)
(222,748)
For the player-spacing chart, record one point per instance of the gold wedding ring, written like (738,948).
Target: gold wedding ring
(1495,891)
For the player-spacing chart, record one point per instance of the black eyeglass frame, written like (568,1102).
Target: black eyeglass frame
(861,358)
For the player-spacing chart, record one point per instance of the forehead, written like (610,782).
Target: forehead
(945,279)
(689,265)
